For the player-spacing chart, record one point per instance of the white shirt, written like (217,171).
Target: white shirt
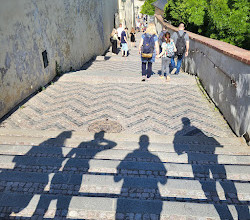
(119,31)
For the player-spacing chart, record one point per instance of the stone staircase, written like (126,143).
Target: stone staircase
(81,175)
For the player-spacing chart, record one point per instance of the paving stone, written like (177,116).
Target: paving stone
(80,98)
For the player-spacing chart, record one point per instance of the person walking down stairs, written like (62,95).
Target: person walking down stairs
(113,40)
(181,40)
(124,43)
(168,50)
(148,48)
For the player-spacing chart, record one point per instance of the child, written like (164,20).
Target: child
(168,49)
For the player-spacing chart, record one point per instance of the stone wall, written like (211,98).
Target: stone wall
(224,70)
(127,13)
(70,31)
(138,7)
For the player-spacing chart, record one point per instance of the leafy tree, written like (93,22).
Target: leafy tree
(148,8)
(190,12)
(230,21)
(226,20)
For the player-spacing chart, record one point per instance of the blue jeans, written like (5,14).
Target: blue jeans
(178,66)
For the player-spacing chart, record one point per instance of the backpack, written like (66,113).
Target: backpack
(169,49)
(148,46)
(180,44)
(111,40)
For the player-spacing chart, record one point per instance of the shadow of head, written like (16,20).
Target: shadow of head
(99,135)
(144,142)
(186,121)
(65,134)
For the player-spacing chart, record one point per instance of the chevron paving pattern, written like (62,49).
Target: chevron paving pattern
(80,98)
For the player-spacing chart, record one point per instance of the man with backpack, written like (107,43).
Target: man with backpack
(181,40)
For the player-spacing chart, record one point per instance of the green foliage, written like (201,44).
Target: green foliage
(226,20)
(148,8)
(22,107)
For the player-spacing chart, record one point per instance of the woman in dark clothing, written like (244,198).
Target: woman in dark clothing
(132,37)
(113,40)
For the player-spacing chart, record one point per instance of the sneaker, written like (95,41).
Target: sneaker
(143,80)
(173,71)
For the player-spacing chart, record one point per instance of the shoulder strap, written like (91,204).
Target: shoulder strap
(181,35)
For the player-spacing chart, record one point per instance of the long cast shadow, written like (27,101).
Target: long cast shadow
(209,186)
(135,186)
(63,202)
(23,162)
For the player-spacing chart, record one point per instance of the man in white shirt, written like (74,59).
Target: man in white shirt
(119,32)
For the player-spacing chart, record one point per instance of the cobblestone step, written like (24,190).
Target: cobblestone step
(137,155)
(52,149)
(12,136)
(112,208)
(137,168)
(110,186)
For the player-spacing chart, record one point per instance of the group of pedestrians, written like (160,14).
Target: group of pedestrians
(165,46)
(120,38)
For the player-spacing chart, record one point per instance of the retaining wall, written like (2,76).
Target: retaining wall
(224,70)
(69,32)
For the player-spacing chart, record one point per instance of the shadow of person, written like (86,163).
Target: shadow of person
(74,160)
(198,167)
(24,172)
(143,191)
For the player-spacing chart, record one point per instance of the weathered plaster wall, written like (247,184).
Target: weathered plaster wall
(71,32)
(127,13)
(225,73)
(138,6)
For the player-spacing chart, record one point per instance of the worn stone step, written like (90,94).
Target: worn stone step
(13,143)
(137,155)
(81,166)
(77,207)
(51,146)
(126,186)
(11,136)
